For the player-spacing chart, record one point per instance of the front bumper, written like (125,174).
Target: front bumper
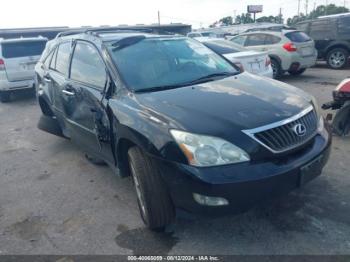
(243,185)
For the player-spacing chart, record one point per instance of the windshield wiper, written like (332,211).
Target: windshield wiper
(203,79)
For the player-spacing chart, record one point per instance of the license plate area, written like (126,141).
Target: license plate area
(311,170)
(306,51)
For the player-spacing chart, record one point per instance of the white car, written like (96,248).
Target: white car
(17,61)
(251,61)
(290,51)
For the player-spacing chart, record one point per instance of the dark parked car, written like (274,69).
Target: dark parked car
(192,130)
(332,38)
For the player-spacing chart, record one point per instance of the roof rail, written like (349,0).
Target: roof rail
(71,32)
(109,29)
(104,30)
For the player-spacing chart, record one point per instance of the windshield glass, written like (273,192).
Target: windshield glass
(161,62)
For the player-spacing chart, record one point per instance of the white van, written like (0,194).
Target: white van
(17,61)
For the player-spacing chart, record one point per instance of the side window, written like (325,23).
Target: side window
(62,58)
(255,40)
(321,29)
(239,40)
(88,66)
(48,58)
(53,60)
(272,39)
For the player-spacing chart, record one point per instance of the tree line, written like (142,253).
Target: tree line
(246,18)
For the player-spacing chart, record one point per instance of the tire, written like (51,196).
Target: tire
(276,69)
(155,205)
(5,97)
(337,58)
(298,72)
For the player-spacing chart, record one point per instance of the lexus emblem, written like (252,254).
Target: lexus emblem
(299,129)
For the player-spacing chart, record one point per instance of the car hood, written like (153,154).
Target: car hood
(240,102)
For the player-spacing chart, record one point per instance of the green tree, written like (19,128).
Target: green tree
(226,20)
(319,11)
(270,19)
(244,18)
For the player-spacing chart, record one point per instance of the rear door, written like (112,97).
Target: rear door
(20,58)
(58,75)
(83,97)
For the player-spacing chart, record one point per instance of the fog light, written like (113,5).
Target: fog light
(210,201)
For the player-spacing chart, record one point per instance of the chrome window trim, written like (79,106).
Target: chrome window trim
(251,132)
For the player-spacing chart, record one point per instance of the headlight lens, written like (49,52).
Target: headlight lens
(207,150)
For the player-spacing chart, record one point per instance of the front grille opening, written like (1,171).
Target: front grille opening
(284,137)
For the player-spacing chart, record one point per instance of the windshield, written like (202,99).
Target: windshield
(166,62)
(22,48)
(223,47)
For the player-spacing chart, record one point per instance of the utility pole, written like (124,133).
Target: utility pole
(306,6)
(314,8)
(158,18)
(299,7)
(280,15)
(325,8)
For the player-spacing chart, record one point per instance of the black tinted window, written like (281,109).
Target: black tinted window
(22,49)
(271,40)
(88,66)
(253,40)
(321,29)
(298,37)
(62,58)
(344,27)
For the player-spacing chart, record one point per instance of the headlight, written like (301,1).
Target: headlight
(207,150)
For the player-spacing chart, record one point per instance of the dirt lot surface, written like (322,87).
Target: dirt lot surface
(53,201)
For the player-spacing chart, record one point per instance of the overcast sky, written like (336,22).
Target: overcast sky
(30,13)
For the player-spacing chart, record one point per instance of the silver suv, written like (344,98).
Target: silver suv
(17,60)
(290,51)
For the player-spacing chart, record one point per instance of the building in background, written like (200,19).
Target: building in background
(51,32)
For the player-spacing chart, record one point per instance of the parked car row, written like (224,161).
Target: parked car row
(292,49)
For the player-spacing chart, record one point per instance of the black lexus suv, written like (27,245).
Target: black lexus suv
(194,132)
(332,38)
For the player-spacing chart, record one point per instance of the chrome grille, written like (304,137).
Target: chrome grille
(280,136)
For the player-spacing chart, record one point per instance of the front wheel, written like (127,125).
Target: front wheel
(155,205)
(337,58)
(297,72)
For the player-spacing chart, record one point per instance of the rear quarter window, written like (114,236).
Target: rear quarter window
(322,29)
(344,27)
(22,49)
(298,37)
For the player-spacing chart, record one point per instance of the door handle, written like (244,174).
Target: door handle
(47,79)
(68,93)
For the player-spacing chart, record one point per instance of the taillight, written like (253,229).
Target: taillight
(2,65)
(290,47)
(240,66)
(267,61)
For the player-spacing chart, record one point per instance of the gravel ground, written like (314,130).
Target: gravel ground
(53,201)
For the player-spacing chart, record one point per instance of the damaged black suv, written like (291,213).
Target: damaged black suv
(194,132)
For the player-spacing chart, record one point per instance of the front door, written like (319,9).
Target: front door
(83,101)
